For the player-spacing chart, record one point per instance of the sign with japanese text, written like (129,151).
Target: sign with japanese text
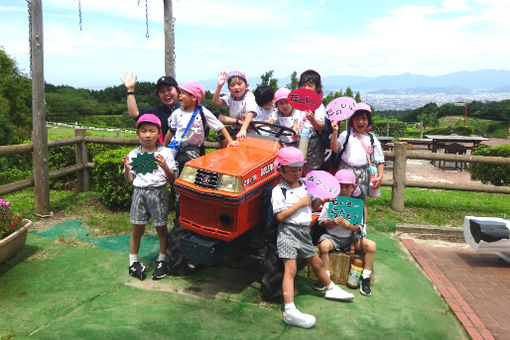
(304,99)
(322,184)
(348,207)
(340,108)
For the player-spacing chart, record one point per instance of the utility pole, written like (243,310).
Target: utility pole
(169,39)
(39,133)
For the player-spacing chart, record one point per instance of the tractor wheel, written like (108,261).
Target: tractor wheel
(178,264)
(271,284)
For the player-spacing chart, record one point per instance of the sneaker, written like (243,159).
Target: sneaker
(160,271)
(318,286)
(296,318)
(137,269)
(364,287)
(337,293)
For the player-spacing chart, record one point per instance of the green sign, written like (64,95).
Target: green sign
(349,208)
(144,163)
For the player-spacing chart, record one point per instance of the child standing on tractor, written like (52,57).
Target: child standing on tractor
(313,121)
(187,124)
(241,104)
(293,210)
(339,231)
(150,195)
(359,150)
(287,116)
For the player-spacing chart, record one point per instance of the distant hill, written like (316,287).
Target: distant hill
(491,81)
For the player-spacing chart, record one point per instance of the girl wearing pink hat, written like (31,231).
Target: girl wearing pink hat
(241,103)
(293,209)
(339,232)
(287,116)
(187,124)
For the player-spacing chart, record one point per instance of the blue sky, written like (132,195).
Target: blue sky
(360,38)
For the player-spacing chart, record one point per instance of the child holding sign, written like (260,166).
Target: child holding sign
(314,121)
(339,231)
(149,167)
(293,210)
(285,115)
(241,103)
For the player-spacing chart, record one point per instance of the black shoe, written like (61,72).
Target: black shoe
(318,286)
(160,271)
(137,270)
(364,287)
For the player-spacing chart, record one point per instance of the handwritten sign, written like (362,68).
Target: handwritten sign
(322,184)
(304,99)
(349,208)
(340,108)
(144,163)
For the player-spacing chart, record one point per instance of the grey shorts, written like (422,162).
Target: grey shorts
(340,243)
(315,154)
(294,241)
(149,203)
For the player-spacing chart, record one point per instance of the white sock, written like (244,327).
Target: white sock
(329,274)
(161,257)
(133,258)
(331,285)
(366,273)
(290,306)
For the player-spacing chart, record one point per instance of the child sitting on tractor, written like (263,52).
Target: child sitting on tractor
(293,210)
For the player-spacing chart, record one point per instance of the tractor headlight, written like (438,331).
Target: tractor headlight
(230,184)
(188,174)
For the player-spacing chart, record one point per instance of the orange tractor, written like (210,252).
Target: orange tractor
(223,212)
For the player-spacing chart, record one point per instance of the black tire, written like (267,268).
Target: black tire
(271,284)
(178,264)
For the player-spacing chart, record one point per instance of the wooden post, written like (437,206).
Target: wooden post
(82,176)
(39,134)
(169,39)
(399,176)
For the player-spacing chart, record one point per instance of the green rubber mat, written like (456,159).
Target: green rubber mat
(149,247)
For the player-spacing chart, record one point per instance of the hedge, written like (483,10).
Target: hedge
(490,173)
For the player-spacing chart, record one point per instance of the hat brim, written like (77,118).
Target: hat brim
(295,164)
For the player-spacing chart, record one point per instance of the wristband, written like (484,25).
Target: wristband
(130,92)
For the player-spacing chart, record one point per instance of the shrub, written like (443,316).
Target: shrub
(394,127)
(490,173)
(114,192)
(449,130)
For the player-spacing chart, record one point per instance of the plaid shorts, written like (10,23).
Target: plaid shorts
(294,241)
(151,202)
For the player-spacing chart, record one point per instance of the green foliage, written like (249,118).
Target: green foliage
(449,130)
(294,81)
(15,102)
(268,80)
(114,192)
(348,93)
(14,175)
(490,173)
(389,127)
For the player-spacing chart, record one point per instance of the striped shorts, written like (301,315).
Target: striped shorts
(150,202)
(294,241)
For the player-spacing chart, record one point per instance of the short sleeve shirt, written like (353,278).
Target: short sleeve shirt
(303,215)
(238,109)
(354,154)
(195,134)
(157,177)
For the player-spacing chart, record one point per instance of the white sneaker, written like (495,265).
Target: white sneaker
(296,318)
(337,293)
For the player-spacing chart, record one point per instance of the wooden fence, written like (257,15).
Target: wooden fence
(398,183)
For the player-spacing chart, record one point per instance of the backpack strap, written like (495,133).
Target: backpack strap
(345,144)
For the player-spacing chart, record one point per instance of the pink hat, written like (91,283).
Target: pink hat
(148,118)
(282,93)
(362,106)
(194,88)
(238,74)
(345,176)
(289,156)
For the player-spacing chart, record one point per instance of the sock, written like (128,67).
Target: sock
(133,258)
(366,273)
(329,274)
(331,285)
(289,306)
(161,257)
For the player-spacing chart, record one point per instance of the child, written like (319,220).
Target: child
(150,195)
(265,105)
(286,115)
(241,103)
(166,89)
(192,138)
(339,232)
(314,121)
(294,212)
(359,149)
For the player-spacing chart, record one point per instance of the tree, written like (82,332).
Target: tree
(294,82)
(268,80)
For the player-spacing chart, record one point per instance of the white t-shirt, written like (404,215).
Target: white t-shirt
(303,215)
(157,177)
(287,122)
(195,135)
(354,154)
(238,109)
(320,116)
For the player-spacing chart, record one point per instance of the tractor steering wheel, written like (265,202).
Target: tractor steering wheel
(275,129)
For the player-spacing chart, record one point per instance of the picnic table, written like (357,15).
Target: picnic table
(440,140)
(417,141)
(386,142)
